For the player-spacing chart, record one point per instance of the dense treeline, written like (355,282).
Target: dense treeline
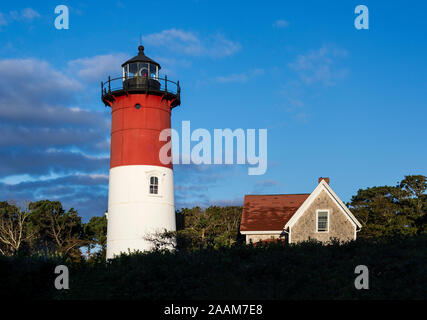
(212,261)
(45,228)
(198,228)
(392,210)
(268,271)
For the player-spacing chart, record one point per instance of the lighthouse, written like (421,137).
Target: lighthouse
(141,190)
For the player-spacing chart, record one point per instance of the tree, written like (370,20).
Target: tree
(391,210)
(200,228)
(13,228)
(56,230)
(415,187)
(213,226)
(95,233)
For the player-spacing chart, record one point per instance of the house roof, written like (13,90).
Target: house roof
(269,212)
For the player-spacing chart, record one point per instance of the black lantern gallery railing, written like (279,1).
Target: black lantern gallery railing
(146,84)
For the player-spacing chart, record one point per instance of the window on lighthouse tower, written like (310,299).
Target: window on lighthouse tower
(154,185)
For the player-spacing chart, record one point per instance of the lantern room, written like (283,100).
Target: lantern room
(140,66)
(140,75)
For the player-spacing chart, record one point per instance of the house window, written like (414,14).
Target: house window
(154,185)
(322,221)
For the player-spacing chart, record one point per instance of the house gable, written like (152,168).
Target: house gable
(303,224)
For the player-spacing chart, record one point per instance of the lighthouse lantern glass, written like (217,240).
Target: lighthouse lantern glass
(143,69)
(125,72)
(133,69)
(153,71)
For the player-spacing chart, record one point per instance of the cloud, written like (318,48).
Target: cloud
(34,119)
(171,65)
(44,137)
(27,14)
(320,66)
(240,77)
(87,193)
(24,80)
(315,69)
(98,67)
(281,23)
(227,202)
(189,43)
(50,148)
(36,162)
(33,111)
(192,183)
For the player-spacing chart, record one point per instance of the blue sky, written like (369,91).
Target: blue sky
(338,102)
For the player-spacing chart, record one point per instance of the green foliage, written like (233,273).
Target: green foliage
(267,271)
(95,233)
(392,210)
(55,229)
(212,262)
(213,227)
(45,228)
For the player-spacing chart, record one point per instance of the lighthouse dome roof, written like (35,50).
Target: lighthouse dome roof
(141,57)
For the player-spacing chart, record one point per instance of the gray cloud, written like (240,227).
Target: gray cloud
(33,120)
(192,183)
(98,68)
(33,80)
(42,162)
(43,133)
(228,202)
(86,193)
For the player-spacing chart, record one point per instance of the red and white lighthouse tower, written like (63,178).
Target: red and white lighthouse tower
(141,192)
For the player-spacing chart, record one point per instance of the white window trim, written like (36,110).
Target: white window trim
(158,194)
(161,177)
(317,220)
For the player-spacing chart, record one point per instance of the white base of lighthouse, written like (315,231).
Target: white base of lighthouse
(133,212)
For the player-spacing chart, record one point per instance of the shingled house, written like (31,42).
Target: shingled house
(319,215)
